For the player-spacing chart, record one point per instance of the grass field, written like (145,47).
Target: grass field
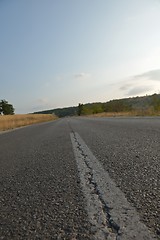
(126,114)
(19,120)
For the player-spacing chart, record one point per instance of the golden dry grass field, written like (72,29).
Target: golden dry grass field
(126,114)
(18,120)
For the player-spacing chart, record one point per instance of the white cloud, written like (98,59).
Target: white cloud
(151,75)
(126,86)
(139,90)
(42,104)
(82,75)
(141,84)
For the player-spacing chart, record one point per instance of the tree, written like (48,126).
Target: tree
(80,108)
(156,102)
(1,108)
(6,108)
(118,106)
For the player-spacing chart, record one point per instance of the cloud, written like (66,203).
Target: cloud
(126,86)
(41,104)
(151,75)
(144,83)
(82,75)
(139,90)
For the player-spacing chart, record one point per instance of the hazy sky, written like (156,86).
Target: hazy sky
(57,53)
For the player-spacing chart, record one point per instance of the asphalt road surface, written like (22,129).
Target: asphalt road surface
(81,178)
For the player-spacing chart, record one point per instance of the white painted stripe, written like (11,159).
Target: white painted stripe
(109,212)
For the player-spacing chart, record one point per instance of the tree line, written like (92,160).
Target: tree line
(6,108)
(145,103)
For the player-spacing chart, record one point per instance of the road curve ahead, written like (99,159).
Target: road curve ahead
(81,178)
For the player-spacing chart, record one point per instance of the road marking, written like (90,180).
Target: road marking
(110,214)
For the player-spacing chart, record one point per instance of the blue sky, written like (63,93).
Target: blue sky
(58,53)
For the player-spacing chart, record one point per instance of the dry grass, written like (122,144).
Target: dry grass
(110,114)
(19,120)
(126,114)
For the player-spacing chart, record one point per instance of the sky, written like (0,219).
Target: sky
(58,53)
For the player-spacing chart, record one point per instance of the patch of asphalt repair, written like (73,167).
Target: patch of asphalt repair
(110,214)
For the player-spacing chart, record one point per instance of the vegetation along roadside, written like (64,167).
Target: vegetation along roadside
(18,120)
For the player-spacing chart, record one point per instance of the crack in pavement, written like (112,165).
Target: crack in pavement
(109,212)
(102,227)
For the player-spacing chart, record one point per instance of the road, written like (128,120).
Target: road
(81,178)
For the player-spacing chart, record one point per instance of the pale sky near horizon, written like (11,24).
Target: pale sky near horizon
(58,53)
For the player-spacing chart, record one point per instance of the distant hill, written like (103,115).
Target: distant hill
(60,112)
(143,102)
(149,103)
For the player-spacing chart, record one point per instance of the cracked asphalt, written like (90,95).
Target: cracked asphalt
(41,196)
(129,149)
(40,192)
